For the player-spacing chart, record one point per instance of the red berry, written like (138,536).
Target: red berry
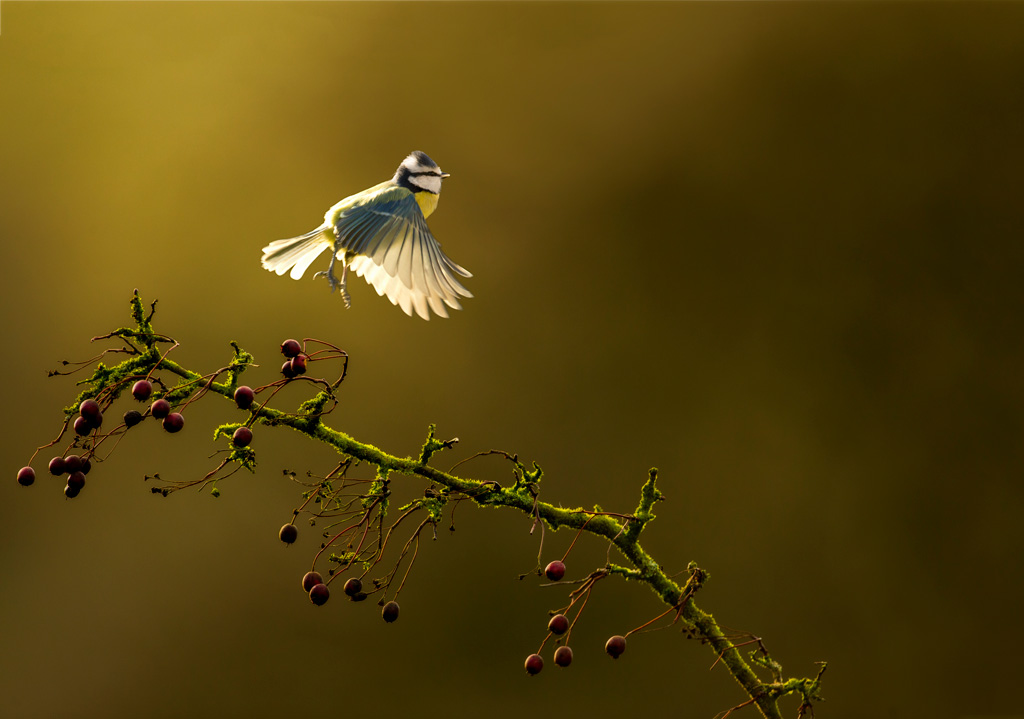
(390,612)
(555,571)
(71,492)
(290,348)
(174,422)
(298,363)
(286,369)
(86,466)
(56,466)
(82,426)
(244,397)
(319,594)
(90,409)
(289,533)
(615,646)
(76,481)
(160,409)
(242,437)
(310,580)
(563,656)
(72,463)
(142,390)
(131,418)
(26,476)
(559,624)
(353,586)
(534,663)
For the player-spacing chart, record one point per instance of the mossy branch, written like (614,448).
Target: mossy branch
(623,531)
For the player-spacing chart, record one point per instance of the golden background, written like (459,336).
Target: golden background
(772,249)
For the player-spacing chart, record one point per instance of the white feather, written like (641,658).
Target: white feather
(296,253)
(430,183)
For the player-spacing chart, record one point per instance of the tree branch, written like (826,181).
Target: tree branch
(623,531)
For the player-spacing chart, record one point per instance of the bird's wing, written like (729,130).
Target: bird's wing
(395,252)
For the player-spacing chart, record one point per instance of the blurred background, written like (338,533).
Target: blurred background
(772,249)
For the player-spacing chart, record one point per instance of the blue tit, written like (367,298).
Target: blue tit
(381,234)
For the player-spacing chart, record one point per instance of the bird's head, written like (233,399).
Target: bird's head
(420,174)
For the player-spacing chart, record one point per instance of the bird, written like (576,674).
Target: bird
(381,234)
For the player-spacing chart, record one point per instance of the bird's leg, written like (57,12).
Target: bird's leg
(344,293)
(332,281)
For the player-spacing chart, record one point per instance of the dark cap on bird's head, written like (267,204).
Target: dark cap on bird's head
(422,158)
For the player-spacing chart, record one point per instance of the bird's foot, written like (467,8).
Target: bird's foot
(332,281)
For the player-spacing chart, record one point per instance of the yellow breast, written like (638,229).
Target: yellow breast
(427,202)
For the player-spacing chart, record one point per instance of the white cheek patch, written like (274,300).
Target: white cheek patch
(430,183)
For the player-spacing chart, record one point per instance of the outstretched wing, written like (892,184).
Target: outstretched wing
(395,252)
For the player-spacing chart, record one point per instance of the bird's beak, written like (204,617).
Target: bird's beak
(444,175)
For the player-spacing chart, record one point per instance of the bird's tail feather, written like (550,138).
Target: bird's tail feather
(297,253)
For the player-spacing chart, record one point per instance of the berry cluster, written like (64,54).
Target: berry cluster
(560,626)
(89,418)
(86,427)
(76,468)
(313,583)
(359,534)
(168,406)
(142,390)
(295,362)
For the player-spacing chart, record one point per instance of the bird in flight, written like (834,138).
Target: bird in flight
(381,234)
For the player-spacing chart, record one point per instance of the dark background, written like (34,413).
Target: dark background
(772,249)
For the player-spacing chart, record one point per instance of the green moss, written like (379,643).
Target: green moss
(244,456)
